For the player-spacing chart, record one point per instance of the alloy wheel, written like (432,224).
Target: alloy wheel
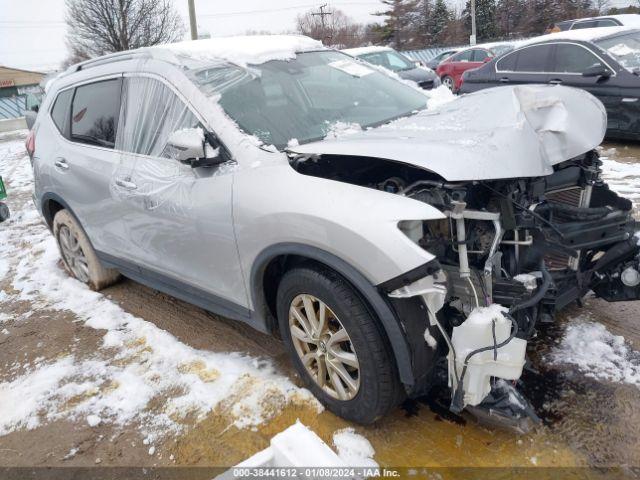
(448,82)
(72,253)
(324,347)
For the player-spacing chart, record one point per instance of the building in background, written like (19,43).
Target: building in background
(20,91)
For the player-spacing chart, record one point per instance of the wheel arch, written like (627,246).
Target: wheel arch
(270,265)
(51,204)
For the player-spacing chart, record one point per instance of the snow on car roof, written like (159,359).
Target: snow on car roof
(585,34)
(356,52)
(627,19)
(244,49)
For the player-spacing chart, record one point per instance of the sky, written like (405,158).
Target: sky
(32,32)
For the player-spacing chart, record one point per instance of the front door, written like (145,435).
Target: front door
(179,220)
(570,61)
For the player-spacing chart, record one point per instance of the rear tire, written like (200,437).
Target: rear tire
(448,82)
(352,347)
(78,256)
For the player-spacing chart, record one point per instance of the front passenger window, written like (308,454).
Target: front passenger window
(573,59)
(151,112)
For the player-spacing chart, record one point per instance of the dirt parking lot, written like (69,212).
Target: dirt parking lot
(133,377)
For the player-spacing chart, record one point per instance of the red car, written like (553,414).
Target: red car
(450,70)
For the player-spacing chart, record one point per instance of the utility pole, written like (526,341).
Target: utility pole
(323,14)
(472,38)
(192,20)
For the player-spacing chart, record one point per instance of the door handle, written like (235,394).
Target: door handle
(555,81)
(61,163)
(504,80)
(126,184)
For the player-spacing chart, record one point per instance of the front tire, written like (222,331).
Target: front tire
(336,345)
(78,256)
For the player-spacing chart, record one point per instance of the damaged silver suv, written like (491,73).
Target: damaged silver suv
(294,188)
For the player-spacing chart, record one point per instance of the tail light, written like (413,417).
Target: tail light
(30,143)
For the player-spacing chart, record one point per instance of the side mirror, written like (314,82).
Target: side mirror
(418,63)
(487,59)
(190,146)
(597,70)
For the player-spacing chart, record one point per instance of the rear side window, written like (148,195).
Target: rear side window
(534,59)
(95,111)
(508,62)
(581,25)
(479,55)
(573,59)
(463,56)
(60,111)
(607,22)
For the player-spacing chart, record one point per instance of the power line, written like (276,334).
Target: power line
(282,9)
(322,14)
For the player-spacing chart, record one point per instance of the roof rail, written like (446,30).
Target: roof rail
(112,57)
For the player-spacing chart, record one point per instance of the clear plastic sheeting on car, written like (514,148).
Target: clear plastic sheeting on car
(148,172)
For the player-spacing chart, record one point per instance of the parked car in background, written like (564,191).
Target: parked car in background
(435,61)
(451,69)
(627,20)
(604,61)
(396,62)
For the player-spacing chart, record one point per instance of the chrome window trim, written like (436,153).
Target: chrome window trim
(614,73)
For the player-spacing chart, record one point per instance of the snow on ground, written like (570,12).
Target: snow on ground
(597,352)
(354,449)
(137,363)
(622,177)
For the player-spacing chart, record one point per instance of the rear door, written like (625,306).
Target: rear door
(570,60)
(179,218)
(85,160)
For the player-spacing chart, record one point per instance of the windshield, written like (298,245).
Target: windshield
(303,99)
(624,48)
(389,59)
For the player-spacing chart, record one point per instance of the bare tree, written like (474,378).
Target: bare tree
(98,27)
(332,28)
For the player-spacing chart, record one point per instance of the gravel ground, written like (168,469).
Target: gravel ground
(85,378)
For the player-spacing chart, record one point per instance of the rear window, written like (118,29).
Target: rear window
(94,113)
(60,111)
(534,59)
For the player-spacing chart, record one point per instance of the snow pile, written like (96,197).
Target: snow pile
(141,374)
(341,129)
(438,97)
(597,352)
(245,50)
(354,449)
(623,178)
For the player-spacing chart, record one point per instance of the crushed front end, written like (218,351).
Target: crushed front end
(512,253)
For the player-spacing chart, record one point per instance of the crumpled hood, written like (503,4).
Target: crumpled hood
(503,132)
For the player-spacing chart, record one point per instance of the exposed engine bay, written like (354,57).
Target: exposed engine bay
(518,250)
